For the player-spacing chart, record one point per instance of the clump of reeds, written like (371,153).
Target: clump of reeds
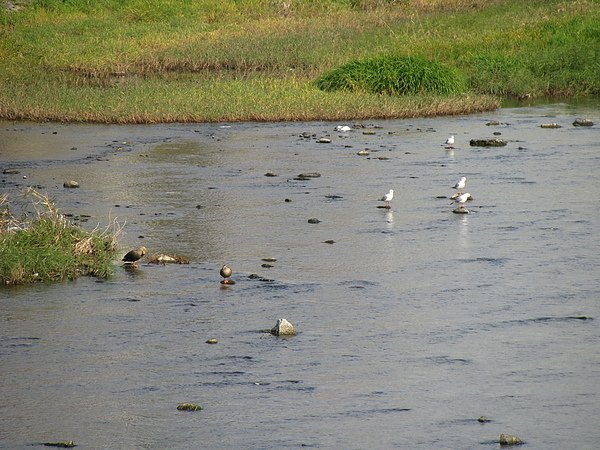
(394,75)
(48,247)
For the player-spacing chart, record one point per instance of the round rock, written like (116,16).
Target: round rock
(508,439)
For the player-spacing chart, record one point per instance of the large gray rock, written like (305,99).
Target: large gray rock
(283,328)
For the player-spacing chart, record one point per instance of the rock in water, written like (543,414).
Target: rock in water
(71,184)
(583,123)
(461,210)
(309,175)
(64,444)
(188,407)
(508,439)
(487,143)
(283,328)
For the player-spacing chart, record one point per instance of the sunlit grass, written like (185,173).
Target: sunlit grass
(167,60)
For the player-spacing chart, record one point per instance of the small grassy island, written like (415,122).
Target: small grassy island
(48,247)
(149,61)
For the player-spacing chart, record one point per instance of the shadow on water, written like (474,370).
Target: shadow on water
(413,321)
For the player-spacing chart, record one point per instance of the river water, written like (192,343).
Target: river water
(413,323)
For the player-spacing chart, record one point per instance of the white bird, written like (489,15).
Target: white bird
(460,184)
(342,128)
(450,141)
(387,198)
(462,199)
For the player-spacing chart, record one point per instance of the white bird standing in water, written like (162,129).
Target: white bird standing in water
(460,184)
(449,142)
(387,198)
(462,199)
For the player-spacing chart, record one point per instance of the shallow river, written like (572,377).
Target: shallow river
(413,323)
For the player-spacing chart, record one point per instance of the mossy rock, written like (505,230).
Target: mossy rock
(487,142)
(189,407)
(394,75)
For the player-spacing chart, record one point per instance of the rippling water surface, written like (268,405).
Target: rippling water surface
(412,324)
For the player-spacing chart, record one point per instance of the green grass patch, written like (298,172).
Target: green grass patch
(208,60)
(50,248)
(394,75)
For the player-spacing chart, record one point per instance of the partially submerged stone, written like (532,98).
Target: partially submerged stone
(364,152)
(271,174)
(212,341)
(283,328)
(583,123)
(461,210)
(63,444)
(487,142)
(324,140)
(71,184)
(189,407)
(508,439)
(550,125)
(483,419)
(309,175)
(314,220)
(164,258)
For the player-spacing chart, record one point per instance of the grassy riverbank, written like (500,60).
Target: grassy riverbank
(207,60)
(48,247)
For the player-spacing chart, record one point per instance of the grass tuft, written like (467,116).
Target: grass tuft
(394,75)
(50,248)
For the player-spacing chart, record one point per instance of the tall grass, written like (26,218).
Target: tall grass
(394,75)
(50,248)
(204,60)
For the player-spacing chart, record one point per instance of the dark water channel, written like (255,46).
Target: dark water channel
(412,324)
